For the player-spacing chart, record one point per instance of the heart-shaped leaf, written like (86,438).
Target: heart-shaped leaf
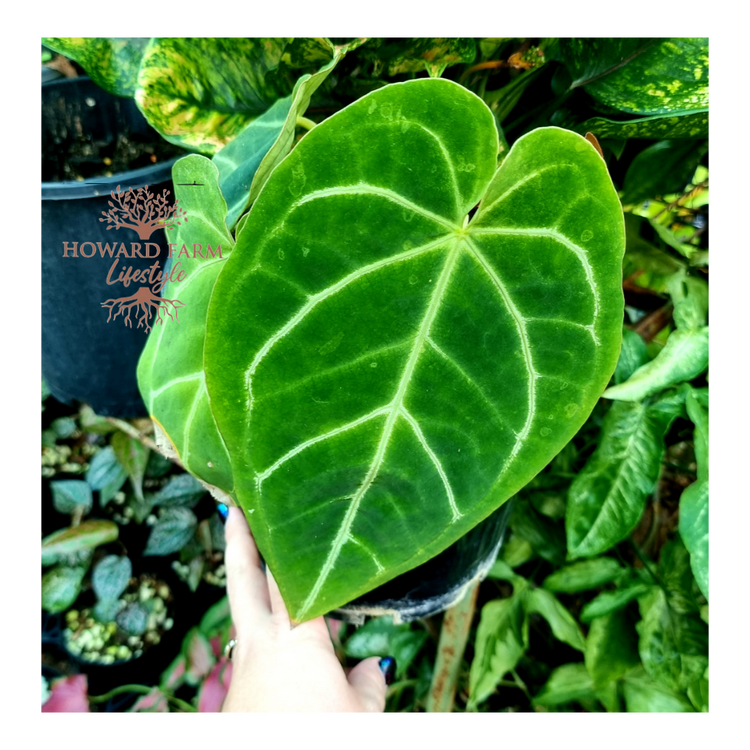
(171,532)
(110,577)
(71,494)
(381,366)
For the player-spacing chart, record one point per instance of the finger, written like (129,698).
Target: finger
(246,583)
(368,682)
(278,608)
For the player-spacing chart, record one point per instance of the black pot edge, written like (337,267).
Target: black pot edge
(403,611)
(136,178)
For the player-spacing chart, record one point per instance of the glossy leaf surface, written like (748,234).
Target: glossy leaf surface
(606,499)
(673,75)
(403,371)
(675,125)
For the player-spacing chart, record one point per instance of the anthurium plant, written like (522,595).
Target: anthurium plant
(453,272)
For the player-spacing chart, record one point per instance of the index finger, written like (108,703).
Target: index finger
(247,586)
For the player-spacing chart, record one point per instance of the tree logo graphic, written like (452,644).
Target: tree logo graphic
(144,213)
(145,301)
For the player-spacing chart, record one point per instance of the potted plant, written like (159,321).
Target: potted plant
(463,211)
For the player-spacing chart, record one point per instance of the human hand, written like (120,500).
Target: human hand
(275,667)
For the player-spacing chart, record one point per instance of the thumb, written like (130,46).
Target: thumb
(369,682)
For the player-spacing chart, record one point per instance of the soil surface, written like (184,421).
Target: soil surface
(81,158)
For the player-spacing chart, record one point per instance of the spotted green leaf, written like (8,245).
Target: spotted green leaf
(384,368)
(694,500)
(606,499)
(170,371)
(112,63)
(673,645)
(201,93)
(688,124)
(417,55)
(638,76)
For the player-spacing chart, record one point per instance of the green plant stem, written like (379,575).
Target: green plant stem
(139,689)
(519,683)
(304,122)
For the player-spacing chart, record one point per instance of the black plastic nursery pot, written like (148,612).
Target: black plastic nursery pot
(84,129)
(440,582)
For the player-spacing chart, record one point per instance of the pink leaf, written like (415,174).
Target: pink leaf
(199,655)
(216,645)
(215,687)
(69,695)
(153,702)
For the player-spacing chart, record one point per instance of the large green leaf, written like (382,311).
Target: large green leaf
(383,368)
(170,371)
(606,499)
(112,63)
(694,501)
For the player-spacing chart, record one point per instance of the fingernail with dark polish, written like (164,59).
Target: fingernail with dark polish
(388,667)
(223,511)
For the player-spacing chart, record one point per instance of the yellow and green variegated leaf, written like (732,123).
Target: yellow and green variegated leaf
(607,498)
(387,371)
(246,163)
(671,76)
(201,93)
(170,371)
(397,56)
(673,125)
(694,500)
(112,63)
